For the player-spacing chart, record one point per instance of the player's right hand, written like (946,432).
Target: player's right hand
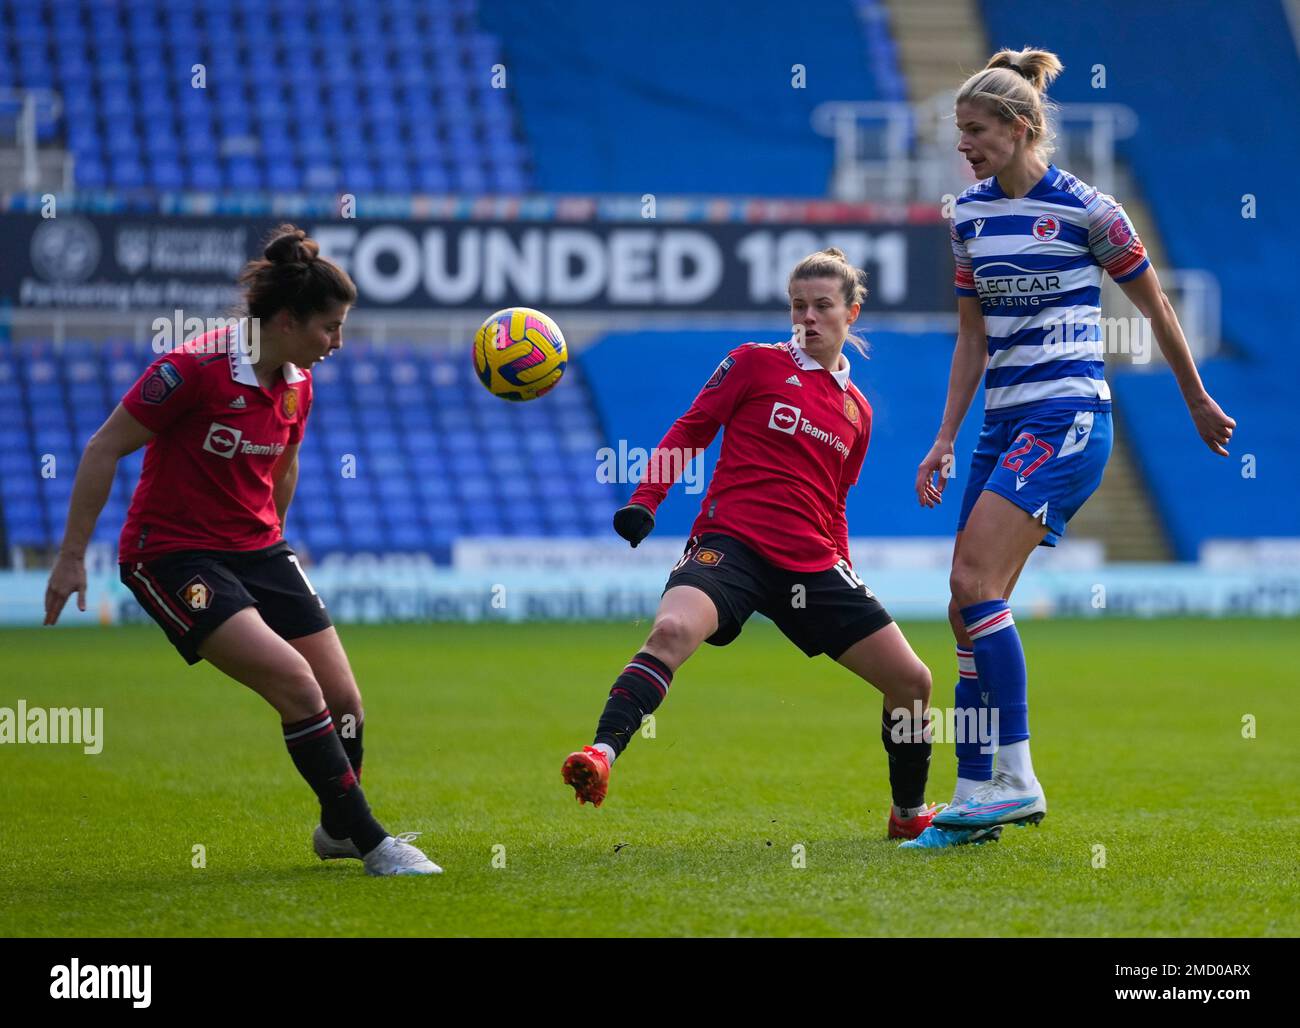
(68,577)
(633,522)
(938,461)
(1214,426)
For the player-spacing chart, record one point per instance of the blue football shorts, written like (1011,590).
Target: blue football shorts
(1047,463)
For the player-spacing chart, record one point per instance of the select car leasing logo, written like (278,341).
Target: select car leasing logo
(222,440)
(784,418)
(106,981)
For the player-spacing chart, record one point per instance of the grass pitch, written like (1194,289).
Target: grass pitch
(760,756)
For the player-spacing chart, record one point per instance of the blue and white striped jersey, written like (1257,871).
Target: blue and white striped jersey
(1035,263)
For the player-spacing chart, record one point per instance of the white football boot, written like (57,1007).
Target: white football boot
(396,856)
(999,801)
(329,848)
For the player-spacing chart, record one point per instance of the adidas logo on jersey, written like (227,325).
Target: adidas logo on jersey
(794,380)
(238,403)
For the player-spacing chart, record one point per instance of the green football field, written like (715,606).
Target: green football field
(1163,819)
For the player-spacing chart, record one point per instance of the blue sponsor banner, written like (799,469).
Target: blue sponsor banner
(430,593)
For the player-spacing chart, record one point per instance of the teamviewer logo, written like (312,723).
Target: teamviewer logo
(784,418)
(222,440)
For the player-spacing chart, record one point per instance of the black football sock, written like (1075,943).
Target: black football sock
(638,691)
(350,737)
(908,745)
(318,755)
(352,747)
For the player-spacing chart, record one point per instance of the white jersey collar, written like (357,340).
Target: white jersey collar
(241,368)
(806,363)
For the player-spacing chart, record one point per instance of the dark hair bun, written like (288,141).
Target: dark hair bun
(291,246)
(292,274)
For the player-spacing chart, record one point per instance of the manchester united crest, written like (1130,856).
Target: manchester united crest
(196,593)
(707,557)
(289,403)
(851,409)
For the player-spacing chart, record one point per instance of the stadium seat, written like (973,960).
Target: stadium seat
(90,173)
(242,173)
(203,173)
(281,176)
(166,174)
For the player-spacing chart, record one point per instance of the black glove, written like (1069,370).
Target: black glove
(633,523)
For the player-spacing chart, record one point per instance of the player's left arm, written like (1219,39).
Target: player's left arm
(1214,426)
(284,478)
(1116,247)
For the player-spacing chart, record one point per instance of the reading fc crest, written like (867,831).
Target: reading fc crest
(1046,227)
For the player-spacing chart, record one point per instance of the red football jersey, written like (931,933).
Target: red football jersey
(206,483)
(796,435)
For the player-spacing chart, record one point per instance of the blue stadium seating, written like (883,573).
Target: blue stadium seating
(360,84)
(1202,496)
(432,462)
(707,87)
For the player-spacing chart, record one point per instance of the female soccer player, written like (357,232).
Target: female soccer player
(203,548)
(1030,242)
(771,535)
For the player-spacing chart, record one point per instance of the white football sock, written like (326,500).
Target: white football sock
(606,749)
(965,786)
(1013,759)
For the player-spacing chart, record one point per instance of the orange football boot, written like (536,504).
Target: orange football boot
(588,772)
(912,826)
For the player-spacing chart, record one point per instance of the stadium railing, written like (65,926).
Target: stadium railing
(903,152)
(25,117)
